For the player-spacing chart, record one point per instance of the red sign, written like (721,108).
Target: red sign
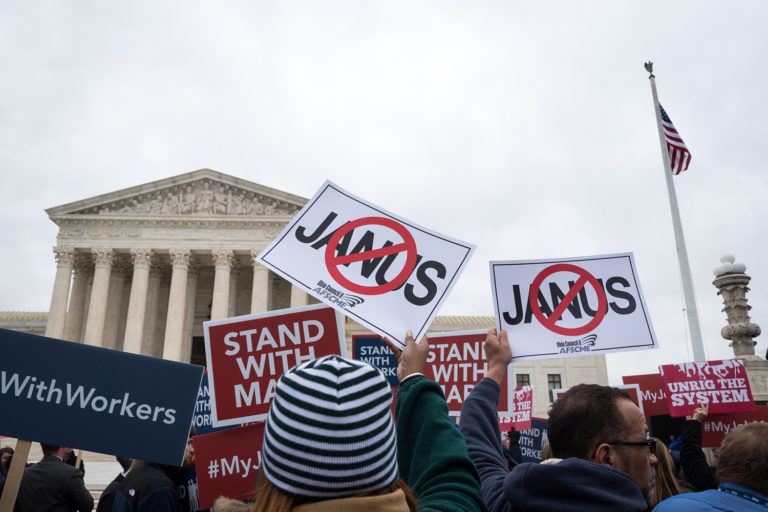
(408,245)
(651,393)
(457,362)
(522,409)
(721,384)
(248,354)
(227,463)
(716,427)
(584,278)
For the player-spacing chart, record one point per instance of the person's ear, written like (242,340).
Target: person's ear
(604,454)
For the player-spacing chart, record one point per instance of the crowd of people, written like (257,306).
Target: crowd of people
(332,444)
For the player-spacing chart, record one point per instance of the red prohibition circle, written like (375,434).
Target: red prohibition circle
(332,261)
(584,278)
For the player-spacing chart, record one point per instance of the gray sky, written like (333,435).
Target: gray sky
(526,128)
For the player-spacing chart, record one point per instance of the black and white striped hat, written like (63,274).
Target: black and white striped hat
(330,432)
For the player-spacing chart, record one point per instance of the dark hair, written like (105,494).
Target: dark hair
(743,457)
(6,449)
(49,449)
(583,417)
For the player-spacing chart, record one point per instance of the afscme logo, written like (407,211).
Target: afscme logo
(377,268)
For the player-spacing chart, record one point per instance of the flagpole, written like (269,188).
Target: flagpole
(682,253)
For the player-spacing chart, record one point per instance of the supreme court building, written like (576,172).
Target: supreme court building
(142,268)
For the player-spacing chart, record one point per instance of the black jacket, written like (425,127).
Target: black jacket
(149,487)
(52,485)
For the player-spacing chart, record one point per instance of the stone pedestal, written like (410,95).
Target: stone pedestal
(731,282)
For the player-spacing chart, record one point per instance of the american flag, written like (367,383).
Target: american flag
(679,156)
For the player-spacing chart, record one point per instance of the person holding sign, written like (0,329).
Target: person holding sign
(330,442)
(599,432)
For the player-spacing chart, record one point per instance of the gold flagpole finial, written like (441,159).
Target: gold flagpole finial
(649,68)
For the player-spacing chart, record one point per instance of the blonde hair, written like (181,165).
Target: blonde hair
(666,481)
(270,499)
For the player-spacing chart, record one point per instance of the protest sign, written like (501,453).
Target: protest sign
(716,426)
(387,273)
(533,439)
(227,463)
(372,350)
(456,362)
(188,498)
(70,394)
(723,384)
(522,407)
(571,306)
(652,395)
(202,417)
(248,354)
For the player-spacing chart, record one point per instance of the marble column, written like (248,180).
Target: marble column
(149,342)
(298,297)
(262,287)
(189,312)
(115,302)
(137,304)
(97,307)
(76,311)
(174,323)
(57,315)
(234,274)
(222,260)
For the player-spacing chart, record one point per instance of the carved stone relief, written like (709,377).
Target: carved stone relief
(205,197)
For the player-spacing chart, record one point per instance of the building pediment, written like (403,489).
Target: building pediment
(202,193)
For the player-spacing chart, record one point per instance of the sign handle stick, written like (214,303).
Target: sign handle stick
(78,458)
(15,472)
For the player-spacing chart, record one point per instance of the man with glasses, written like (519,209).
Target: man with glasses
(598,435)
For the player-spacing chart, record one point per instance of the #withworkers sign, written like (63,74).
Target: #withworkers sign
(652,397)
(247,355)
(722,384)
(227,463)
(571,306)
(70,394)
(387,273)
(533,439)
(457,362)
(372,350)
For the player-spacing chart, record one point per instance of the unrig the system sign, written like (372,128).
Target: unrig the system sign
(571,306)
(389,274)
(96,399)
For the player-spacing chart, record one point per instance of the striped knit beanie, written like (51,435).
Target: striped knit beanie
(330,432)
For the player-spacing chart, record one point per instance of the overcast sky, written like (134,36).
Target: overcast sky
(526,128)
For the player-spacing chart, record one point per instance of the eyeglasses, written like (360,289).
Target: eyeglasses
(650,443)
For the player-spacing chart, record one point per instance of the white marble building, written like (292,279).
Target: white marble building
(140,269)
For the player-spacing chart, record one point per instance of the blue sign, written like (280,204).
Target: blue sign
(96,399)
(533,439)
(202,417)
(371,350)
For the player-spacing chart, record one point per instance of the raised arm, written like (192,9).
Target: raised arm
(480,423)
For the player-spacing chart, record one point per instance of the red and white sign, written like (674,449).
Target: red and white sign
(721,384)
(632,389)
(457,362)
(227,463)
(521,411)
(716,427)
(651,393)
(571,307)
(248,354)
(387,273)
